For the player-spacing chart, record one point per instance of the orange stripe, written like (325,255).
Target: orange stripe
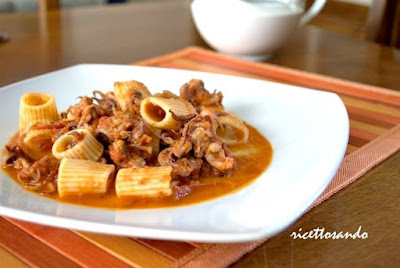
(191,65)
(359,137)
(372,106)
(7,259)
(29,249)
(172,250)
(166,57)
(70,245)
(367,127)
(373,118)
(127,250)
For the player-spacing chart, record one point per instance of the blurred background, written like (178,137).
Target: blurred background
(372,20)
(32,5)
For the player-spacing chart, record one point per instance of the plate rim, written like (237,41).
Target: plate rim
(162,234)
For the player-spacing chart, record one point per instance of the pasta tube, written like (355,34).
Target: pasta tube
(155,142)
(77,144)
(233,130)
(37,107)
(124,91)
(37,143)
(157,111)
(147,181)
(80,177)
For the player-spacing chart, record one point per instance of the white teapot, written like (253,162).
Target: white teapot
(251,29)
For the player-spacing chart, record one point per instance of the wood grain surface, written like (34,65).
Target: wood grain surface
(122,34)
(127,33)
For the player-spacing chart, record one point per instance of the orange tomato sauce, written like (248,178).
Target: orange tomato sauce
(252,160)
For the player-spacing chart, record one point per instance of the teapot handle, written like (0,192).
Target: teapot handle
(311,12)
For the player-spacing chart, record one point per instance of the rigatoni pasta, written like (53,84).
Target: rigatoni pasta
(77,144)
(37,142)
(232,129)
(125,91)
(133,149)
(161,112)
(81,177)
(147,181)
(155,142)
(37,108)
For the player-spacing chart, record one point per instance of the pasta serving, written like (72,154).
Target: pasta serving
(141,149)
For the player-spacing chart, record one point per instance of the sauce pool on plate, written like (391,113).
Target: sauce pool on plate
(252,159)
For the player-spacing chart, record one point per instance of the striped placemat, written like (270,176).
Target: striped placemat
(374,113)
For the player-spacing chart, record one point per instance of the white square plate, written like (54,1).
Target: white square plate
(308,130)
